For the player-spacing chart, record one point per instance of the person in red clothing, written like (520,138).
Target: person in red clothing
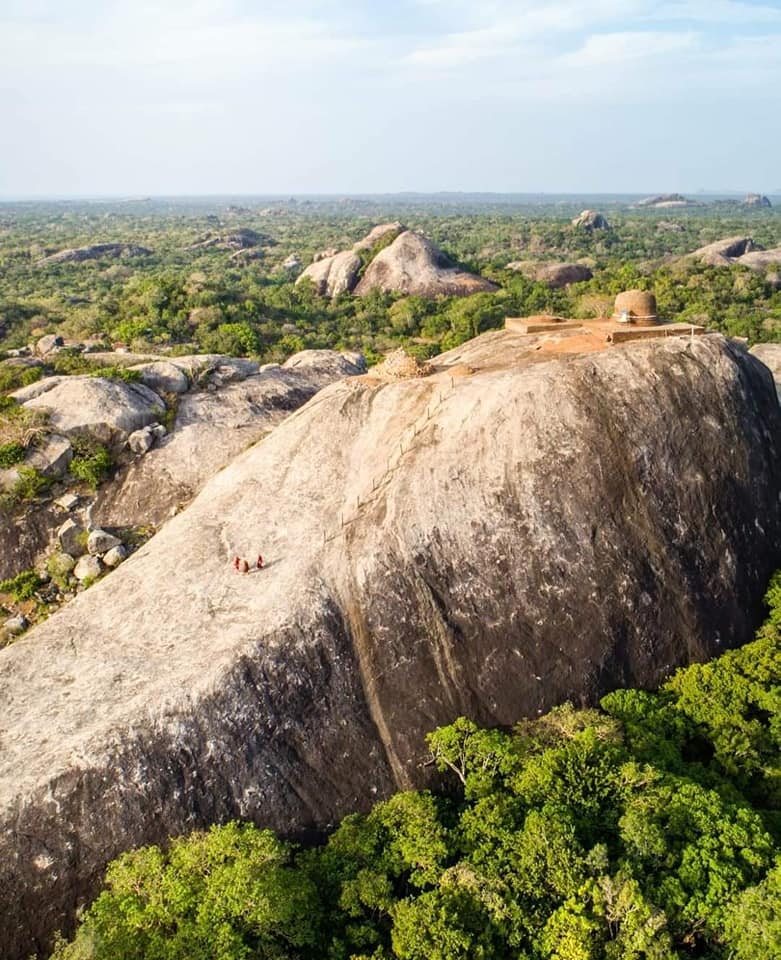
(260,562)
(236,562)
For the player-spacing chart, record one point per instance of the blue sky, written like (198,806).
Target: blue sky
(233,96)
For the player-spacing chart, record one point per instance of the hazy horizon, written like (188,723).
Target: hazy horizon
(219,98)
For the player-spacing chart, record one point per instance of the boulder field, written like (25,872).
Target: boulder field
(515,529)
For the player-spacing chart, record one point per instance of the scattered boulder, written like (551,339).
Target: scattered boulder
(68,501)
(115,555)
(109,410)
(53,457)
(87,568)
(293,262)
(141,440)
(555,275)
(51,343)
(100,542)
(591,220)
(95,251)
(756,200)
(72,538)
(162,376)
(413,265)
(14,626)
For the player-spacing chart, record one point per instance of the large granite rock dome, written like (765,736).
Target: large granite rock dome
(407,263)
(413,265)
(511,531)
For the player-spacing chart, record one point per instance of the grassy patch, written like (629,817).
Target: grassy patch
(91,461)
(22,586)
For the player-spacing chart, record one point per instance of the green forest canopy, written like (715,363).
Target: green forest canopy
(649,828)
(193,298)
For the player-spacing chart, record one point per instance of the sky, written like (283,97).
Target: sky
(99,97)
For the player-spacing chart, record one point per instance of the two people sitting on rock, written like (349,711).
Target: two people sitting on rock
(241,565)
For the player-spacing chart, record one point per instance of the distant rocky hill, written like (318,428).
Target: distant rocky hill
(740,250)
(95,251)
(664,201)
(555,275)
(399,261)
(514,529)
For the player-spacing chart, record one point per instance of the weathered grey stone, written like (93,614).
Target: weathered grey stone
(333,275)
(100,542)
(110,410)
(413,265)
(158,431)
(48,344)
(115,555)
(632,493)
(591,220)
(87,568)
(72,538)
(163,377)
(211,428)
(556,275)
(141,440)
(68,501)
(53,457)
(16,625)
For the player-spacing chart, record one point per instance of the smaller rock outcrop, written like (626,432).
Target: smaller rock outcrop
(591,220)
(109,410)
(740,250)
(761,260)
(666,200)
(333,275)
(756,200)
(555,275)
(721,253)
(95,251)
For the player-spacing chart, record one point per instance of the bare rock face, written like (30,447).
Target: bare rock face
(333,275)
(489,543)
(770,355)
(761,260)
(410,264)
(210,429)
(107,409)
(95,251)
(591,220)
(740,250)
(723,252)
(556,275)
(413,265)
